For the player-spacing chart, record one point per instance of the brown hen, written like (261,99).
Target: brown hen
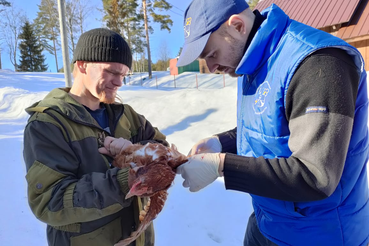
(152,171)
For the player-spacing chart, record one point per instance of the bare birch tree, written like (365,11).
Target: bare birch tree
(84,10)
(11,22)
(77,12)
(163,56)
(6,4)
(71,23)
(164,52)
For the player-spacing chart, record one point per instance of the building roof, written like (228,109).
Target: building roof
(359,24)
(316,13)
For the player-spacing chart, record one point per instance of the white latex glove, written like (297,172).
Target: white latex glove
(206,145)
(113,146)
(201,170)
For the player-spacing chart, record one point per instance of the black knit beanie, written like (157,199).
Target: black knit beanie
(102,45)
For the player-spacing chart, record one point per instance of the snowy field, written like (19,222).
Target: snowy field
(186,108)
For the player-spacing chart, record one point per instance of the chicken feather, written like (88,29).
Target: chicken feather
(152,171)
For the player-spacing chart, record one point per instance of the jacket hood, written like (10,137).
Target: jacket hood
(59,100)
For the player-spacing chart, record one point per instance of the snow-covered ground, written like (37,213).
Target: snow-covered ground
(186,108)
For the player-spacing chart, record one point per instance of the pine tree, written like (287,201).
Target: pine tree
(31,59)
(47,27)
(131,18)
(4,3)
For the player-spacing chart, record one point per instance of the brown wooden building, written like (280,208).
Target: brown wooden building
(346,19)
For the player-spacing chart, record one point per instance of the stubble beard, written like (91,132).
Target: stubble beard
(105,99)
(237,54)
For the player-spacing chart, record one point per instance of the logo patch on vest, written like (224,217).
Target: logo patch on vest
(262,92)
(316,109)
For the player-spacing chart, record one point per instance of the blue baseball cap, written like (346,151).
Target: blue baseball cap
(202,17)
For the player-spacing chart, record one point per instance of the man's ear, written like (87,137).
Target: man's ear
(81,65)
(237,24)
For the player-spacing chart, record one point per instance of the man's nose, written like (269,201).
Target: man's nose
(118,81)
(212,66)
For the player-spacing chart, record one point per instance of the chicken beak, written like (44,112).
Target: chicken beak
(129,195)
(133,190)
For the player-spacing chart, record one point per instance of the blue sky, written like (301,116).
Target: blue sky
(174,40)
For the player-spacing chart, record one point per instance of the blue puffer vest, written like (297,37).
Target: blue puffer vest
(268,65)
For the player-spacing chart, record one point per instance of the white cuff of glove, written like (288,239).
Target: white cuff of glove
(200,170)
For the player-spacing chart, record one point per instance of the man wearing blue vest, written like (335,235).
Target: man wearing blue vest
(300,147)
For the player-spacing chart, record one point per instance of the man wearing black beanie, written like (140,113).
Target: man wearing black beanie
(72,186)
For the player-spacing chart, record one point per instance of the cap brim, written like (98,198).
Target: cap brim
(191,51)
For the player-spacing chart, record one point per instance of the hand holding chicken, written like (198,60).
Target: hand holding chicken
(113,146)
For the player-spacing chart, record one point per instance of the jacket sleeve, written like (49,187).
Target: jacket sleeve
(228,140)
(56,193)
(318,141)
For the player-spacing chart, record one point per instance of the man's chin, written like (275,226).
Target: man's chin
(233,74)
(107,100)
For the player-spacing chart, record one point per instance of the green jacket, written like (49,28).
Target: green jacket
(71,186)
